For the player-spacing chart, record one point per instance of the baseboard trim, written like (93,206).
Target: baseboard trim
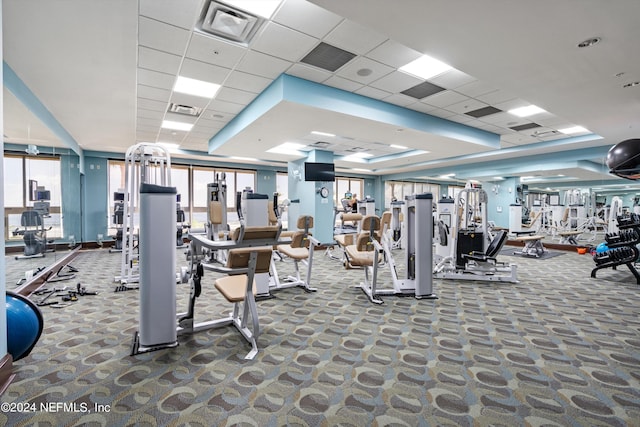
(6,372)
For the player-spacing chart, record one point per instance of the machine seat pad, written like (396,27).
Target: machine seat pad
(345,240)
(359,258)
(233,288)
(569,233)
(294,253)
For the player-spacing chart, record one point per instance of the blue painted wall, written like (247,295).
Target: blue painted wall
(501,194)
(266,182)
(95,208)
(71,208)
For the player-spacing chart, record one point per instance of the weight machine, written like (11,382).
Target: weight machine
(417,278)
(145,163)
(117,219)
(472,250)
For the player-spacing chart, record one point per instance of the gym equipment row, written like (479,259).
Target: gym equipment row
(465,249)
(620,247)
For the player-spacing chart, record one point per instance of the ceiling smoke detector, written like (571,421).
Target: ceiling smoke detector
(228,23)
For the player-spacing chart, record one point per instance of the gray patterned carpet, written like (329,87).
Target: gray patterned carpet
(556,349)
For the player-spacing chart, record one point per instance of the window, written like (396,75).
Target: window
(343,186)
(27,172)
(396,190)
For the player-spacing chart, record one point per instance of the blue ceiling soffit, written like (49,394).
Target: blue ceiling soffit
(304,92)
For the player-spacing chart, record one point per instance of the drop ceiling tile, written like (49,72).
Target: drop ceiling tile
(475,89)
(342,83)
(306,17)
(518,138)
(172,136)
(422,107)
(155,79)
(354,37)
(150,114)
(263,65)
(308,73)
(154,93)
(150,104)
(160,36)
(445,98)
(247,82)
(225,107)
(147,129)
(399,99)
(351,69)
(438,112)
(203,71)
(173,117)
(214,51)
(452,79)
(184,16)
(189,100)
(156,60)
(283,42)
(393,54)
(235,95)
(396,82)
(502,119)
(496,97)
(372,92)
(462,118)
(465,106)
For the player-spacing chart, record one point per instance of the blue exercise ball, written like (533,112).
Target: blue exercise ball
(24,325)
(602,247)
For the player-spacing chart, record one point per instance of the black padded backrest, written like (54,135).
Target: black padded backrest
(496,244)
(30,219)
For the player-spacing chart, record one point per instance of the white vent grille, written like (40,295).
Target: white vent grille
(228,23)
(187,110)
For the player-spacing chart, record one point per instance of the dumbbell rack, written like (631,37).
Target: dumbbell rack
(622,246)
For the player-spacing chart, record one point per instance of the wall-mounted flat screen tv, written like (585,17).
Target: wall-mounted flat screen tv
(319,172)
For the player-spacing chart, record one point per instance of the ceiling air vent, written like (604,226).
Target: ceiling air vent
(422,90)
(483,112)
(525,127)
(327,57)
(228,23)
(321,144)
(187,110)
(545,134)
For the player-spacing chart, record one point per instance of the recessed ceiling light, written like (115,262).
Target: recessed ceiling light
(589,42)
(264,8)
(290,148)
(315,132)
(527,111)
(250,159)
(574,129)
(196,87)
(168,124)
(425,67)
(169,145)
(401,147)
